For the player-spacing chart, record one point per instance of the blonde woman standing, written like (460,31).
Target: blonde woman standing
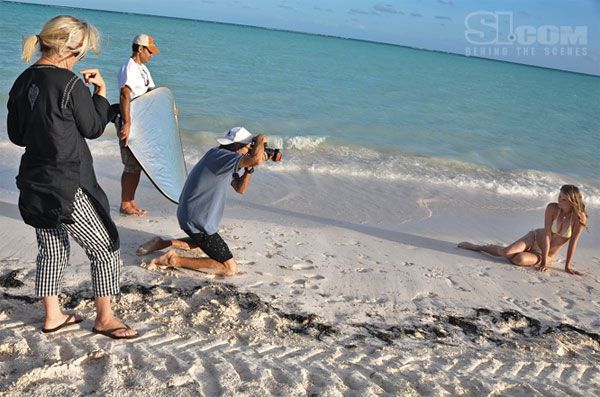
(563,223)
(51,114)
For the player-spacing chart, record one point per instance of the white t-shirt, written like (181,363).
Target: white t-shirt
(135,76)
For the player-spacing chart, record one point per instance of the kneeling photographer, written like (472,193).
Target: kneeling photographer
(202,202)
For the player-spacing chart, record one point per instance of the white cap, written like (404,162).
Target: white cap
(236,135)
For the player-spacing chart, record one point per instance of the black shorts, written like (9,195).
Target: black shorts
(212,245)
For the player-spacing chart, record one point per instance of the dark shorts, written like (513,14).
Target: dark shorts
(131,164)
(212,245)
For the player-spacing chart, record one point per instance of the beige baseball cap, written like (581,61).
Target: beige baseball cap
(146,41)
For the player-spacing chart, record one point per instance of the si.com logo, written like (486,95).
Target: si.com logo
(497,30)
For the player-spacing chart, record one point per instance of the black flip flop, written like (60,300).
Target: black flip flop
(63,325)
(110,333)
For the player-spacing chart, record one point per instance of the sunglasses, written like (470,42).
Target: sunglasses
(148,49)
(77,54)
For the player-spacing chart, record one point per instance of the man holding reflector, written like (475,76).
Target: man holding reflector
(134,80)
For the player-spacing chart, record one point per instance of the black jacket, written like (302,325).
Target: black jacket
(50,113)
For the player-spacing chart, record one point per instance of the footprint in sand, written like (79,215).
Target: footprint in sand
(349,243)
(517,303)
(302,266)
(567,303)
(314,276)
(455,285)
(272,254)
(547,305)
(434,274)
(363,270)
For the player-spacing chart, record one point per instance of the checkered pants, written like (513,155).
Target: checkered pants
(90,233)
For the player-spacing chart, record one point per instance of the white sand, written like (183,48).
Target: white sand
(337,295)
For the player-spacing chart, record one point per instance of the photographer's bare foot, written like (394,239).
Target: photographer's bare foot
(150,246)
(164,260)
(467,246)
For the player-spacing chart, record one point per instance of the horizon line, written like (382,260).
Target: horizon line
(310,34)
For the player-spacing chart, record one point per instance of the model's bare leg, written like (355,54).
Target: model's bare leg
(526,259)
(494,250)
(510,252)
(129,184)
(158,243)
(206,265)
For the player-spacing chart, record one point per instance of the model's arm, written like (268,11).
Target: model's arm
(573,246)
(124,96)
(548,217)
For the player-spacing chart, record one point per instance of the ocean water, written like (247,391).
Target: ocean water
(360,110)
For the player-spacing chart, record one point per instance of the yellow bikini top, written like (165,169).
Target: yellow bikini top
(555,228)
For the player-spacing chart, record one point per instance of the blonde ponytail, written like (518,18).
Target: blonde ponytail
(29,47)
(61,34)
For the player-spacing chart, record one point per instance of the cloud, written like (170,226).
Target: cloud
(387,8)
(322,10)
(356,11)
(416,14)
(443,17)
(286,7)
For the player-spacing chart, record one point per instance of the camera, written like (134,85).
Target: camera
(274,154)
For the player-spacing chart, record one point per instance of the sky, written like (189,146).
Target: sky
(559,34)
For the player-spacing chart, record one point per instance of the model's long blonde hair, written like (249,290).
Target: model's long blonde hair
(62,33)
(574,196)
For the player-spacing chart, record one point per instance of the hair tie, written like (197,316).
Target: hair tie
(37,36)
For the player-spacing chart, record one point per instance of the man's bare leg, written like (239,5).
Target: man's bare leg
(158,243)
(206,265)
(129,184)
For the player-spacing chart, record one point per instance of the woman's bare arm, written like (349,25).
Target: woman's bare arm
(577,230)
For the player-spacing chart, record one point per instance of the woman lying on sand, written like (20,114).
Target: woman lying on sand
(563,222)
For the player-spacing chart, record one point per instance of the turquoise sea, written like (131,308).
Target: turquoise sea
(353,108)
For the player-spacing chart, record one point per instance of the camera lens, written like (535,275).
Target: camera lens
(273,154)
